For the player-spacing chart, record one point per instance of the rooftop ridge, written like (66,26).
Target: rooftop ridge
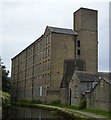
(62,30)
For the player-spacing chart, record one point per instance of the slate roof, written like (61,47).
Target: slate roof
(106,76)
(69,68)
(87,76)
(62,30)
(102,76)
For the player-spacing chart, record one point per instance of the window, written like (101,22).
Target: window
(40,93)
(42,77)
(78,43)
(78,52)
(48,51)
(44,53)
(48,64)
(49,38)
(43,66)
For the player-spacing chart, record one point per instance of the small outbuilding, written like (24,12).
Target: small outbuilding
(100,95)
(80,83)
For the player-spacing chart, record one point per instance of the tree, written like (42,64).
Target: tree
(5,78)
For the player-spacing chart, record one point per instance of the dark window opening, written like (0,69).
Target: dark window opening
(78,43)
(78,52)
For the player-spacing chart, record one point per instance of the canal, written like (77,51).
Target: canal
(30,113)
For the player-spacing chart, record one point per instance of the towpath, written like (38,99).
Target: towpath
(88,114)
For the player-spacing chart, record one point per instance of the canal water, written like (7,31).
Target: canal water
(30,114)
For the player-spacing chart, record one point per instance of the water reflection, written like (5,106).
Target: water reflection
(31,113)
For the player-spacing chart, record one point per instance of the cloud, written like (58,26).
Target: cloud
(23,22)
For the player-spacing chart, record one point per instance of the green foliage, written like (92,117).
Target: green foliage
(5,97)
(56,102)
(5,78)
(37,102)
(82,103)
(31,101)
(72,107)
(24,101)
(99,112)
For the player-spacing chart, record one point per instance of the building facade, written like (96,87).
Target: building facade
(81,82)
(86,26)
(39,67)
(93,88)
(100,95)
(37,71)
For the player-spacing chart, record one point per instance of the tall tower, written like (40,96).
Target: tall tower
(85,24)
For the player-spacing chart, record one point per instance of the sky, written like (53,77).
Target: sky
(23,21)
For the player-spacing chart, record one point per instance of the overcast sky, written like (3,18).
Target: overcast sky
(22,23)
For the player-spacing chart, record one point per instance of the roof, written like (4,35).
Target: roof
(54,30)
(87,76)
(102,76)
(82,8)
(106,76)
(62,30)
(69,69)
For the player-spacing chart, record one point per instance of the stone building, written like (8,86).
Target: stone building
(100,95)
(38,72)
(80,83)
(86,26)
(95,88)
(70,66)
(86,47)
(39,67)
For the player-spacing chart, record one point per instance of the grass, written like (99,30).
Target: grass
(27,103)
(99,112)
(95,111)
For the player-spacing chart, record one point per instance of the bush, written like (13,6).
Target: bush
(31,101)
(56,102)
(5,97)
(82,103)
(24,101)
(36,102)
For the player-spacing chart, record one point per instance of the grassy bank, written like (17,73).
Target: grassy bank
(95,111)
(99,112)
(62,109)
(59,109)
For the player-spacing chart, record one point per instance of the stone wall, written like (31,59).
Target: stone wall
(62,47)
(99,97)
(86,25)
